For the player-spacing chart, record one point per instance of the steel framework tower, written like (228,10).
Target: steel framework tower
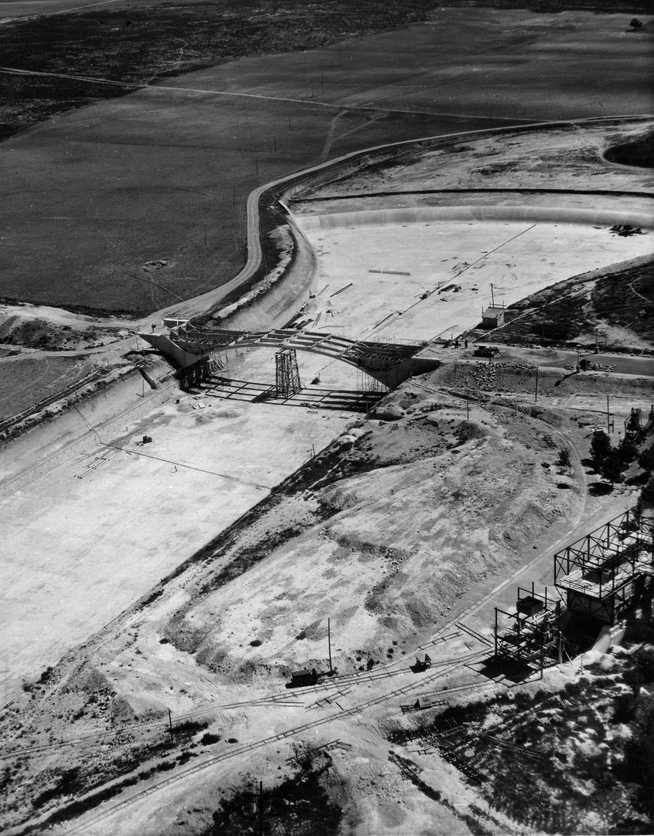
(604,572)
(287,374)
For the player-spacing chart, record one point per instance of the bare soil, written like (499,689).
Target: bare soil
(459,499)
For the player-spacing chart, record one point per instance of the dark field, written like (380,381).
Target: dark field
(130,47)
(90,197)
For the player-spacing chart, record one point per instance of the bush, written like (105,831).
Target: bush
(647,493)
(600,446)
(612,466)
(624,708)
(190,726)
(644,659)
(634,679)
(646,459)
(564,457)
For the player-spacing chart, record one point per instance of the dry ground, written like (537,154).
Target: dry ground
(73,558)
(421,517)
(244,612)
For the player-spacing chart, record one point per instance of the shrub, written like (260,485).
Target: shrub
(646,459)
(190,726)
(647,493)
(634,679)
(564,457)
(644,659)
(600,446)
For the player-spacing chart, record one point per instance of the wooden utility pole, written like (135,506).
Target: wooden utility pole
(467,410)
(608,415)
(492,296)
(536,401)
(170,725)
(329,644)
(260,808)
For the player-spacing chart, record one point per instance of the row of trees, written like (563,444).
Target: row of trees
(611,461)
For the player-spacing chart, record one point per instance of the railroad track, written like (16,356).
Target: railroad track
(283,700)
(246,749)
(288,699)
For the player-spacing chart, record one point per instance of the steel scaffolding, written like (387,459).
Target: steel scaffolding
(287,374)
(532,633)
(604,572)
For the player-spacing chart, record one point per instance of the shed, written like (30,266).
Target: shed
(303,677)
(493,317)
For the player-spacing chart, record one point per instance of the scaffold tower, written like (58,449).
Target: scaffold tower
(605,572)
(531,634)
(287,374)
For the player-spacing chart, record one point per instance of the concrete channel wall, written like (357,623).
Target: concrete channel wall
(518,214)
(284,298)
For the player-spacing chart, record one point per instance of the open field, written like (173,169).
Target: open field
(125,48)
(148,176)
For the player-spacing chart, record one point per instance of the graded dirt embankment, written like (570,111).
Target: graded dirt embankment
(392,530)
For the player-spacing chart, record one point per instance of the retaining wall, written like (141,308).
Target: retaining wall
(283,299)
(518,214)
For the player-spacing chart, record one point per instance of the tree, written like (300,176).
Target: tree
(647,493)
(635,23)
(612,466)
(646,459)
(564,457)
(628,451)
(600,446)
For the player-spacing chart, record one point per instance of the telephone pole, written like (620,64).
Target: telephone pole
(329,644)
(260,808)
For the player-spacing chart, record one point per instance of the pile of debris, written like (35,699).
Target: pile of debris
(485,374)
(625,230)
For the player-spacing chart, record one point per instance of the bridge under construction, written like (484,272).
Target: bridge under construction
(390,363)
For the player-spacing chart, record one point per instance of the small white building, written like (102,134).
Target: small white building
(492,317)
